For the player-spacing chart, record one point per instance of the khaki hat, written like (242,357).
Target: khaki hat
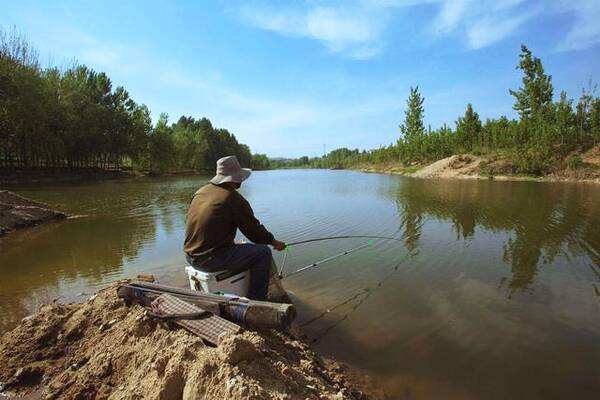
(229,170)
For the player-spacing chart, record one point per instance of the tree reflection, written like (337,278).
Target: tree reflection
(542,221)
(48,261)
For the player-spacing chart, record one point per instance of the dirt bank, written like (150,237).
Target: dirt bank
(63,175)
(467,166)
(59,175)
(102,349)
(19,212)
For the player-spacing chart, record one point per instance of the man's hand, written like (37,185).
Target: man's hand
(277,245)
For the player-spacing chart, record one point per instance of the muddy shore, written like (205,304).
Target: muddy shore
(30,176)
(467,166)
(103,349)
(17,212)
(63,176)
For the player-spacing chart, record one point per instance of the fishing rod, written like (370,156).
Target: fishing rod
(343,237)
(317,263)
(328,258)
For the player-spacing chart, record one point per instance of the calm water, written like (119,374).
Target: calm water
(493,292)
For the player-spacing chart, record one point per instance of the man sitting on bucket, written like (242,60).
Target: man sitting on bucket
(216,212)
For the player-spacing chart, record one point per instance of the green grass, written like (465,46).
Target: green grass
(411,169)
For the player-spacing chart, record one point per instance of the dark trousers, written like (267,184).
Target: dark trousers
(255,257)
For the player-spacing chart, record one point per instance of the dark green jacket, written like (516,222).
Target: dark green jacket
(214,216)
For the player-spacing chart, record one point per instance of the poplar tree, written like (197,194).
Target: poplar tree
(595,121)
(534,98)
(468,129)
(413,129)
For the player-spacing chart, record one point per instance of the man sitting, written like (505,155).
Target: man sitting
(216,212)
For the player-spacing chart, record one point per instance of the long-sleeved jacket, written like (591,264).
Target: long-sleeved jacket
(214,215)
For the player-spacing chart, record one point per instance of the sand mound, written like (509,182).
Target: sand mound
(102,349)
(458,165)
(20,212)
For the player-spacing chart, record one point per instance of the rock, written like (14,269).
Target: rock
(27,376)
(172,387)
(104,369)
(160,364)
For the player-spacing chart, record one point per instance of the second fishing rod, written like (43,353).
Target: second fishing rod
(324,260)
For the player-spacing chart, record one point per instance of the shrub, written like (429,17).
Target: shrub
(533,160)
(574,161)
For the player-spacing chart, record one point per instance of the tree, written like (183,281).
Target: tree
(161,146)
(412,128)
(564,119)
(534,98)
(468,129)
(260,161)
(595,121)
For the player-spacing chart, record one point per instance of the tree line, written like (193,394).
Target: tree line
(75,118)
(544,134)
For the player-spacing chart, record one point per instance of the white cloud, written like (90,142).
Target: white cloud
(585,31)
(354,30)
(450,15)
(100,57)
(341,29)
(486,22)
(490,30)
(357,28)
(483,22)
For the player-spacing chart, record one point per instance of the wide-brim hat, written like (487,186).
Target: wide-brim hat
(229,170)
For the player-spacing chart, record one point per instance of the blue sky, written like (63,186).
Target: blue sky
(290,77)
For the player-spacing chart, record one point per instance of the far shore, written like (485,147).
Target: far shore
(64,175)
(470,167)
(459,166)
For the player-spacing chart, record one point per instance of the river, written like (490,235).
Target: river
(493,291)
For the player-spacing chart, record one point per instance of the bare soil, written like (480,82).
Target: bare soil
(103,349)
(19,212)
(463,165)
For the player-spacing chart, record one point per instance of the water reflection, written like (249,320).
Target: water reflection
(124,225)
(351,304)
(543,220)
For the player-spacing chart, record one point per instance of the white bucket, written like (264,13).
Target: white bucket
(223,282)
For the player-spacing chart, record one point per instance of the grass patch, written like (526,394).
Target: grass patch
(411,169)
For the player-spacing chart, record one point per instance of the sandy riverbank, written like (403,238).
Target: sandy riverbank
(467,166)
(103,349)
(18,212)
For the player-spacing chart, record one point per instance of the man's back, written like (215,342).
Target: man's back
(209,221)
(214,215)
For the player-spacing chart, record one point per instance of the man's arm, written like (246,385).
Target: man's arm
(250,226)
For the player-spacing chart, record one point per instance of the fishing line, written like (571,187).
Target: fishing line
(365,293)
(317,263)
